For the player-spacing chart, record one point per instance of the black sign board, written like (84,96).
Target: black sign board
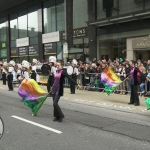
(49,48)
(77,33)
(14,52)
(33,50)
(23,51)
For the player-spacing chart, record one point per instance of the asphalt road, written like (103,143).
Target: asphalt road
(87,126)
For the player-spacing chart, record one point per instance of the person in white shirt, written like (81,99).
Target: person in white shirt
(74,76)
(12,75)
(25,73)
(52,72)
(19,72)
(34,74)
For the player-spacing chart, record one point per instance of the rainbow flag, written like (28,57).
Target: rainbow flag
(32,94)
(110,80)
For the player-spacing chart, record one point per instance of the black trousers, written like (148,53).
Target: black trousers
(72,85)
(50,83)
(57,111)
(33,76)
(134,98)
(10,80)
(4,78)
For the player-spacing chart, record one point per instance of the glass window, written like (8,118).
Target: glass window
(33,40)
(14,29)
(2,32)
(13,43)
(59,50)
(22,24)
(33,24)
(49,19)
(60,17)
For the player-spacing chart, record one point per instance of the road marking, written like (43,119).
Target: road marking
(38,125)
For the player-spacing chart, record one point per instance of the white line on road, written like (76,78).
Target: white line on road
(38,125)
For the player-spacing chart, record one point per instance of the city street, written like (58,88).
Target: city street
(93,121)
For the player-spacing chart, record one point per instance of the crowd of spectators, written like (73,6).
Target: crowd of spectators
(90,74)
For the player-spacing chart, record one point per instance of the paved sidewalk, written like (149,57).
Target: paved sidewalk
(97,98)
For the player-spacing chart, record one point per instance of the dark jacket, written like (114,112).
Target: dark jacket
(63,75)
(134,80)
(143,77)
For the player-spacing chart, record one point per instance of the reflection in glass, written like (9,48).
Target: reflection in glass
(14,29)
(3,32)
(33,24)
(60,17)
(22,24)
(49,20)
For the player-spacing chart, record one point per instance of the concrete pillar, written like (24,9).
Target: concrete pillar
(130,52)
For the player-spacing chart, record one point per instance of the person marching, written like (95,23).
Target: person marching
(34,74)
(25,72)
(11,75)
(52,72)
(19,72)
(73,76)
(4,72)
(58,90)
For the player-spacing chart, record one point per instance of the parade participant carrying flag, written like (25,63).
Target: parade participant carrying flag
(32,94)
(110,80)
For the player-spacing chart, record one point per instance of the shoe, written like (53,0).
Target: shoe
(60,119)
(55,119)
(136,104)
(130,103)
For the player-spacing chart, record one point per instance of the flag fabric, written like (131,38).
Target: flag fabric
(110,80)
(32,94)
(147,101)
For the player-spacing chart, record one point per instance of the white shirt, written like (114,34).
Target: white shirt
(26,75)
(4,70)
(53,70)
(75,71)
(14,75)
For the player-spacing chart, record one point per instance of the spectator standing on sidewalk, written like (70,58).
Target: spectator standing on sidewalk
(134,99)
(142,80)
(128,85)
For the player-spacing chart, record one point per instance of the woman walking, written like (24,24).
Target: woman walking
(58,90)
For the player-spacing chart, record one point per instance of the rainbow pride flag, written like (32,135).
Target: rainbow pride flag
(32,94)
(110,80)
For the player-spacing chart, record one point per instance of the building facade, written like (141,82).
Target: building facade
(36,29)
(95,28)
(119,24)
